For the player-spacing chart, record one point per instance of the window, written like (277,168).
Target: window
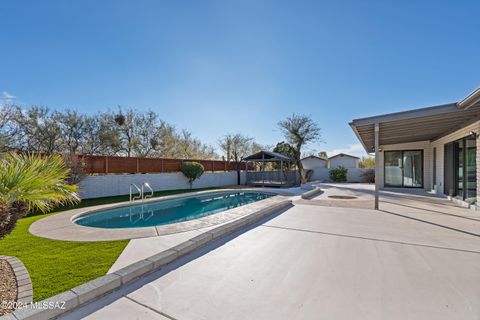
(403,168)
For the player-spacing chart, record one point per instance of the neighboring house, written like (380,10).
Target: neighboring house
(344,160)
(318,165)
(312,162)
(432,148)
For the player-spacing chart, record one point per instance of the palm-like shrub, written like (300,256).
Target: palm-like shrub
(30,181)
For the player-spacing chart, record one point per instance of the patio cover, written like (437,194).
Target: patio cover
(426,124)
(267,156)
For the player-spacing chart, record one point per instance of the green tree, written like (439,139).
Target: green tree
(29,181)
(367,162)
(285,149)
(236,147)
(299,130)
(192,170)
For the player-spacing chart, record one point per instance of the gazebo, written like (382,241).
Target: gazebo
(272,178)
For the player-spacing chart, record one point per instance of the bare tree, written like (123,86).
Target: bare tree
(92,142)
(126,132)
(8,127)
(72,126)
(236,147)
(147,128)
(298,131)
(38,131)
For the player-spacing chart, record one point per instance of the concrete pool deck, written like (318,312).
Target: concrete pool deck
(416,258)
(61,227)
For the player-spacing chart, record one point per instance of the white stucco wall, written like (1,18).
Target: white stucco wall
(312,163)
(353,174)
(344,161)
(427,147)
(427,162)
(114,185)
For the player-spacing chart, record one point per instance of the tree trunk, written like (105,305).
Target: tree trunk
(299,163)
(9,216)
(238,175)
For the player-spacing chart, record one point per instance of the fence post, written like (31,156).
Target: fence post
(225,165)
(106,164)
(161,165)
(138,165)
(213,166)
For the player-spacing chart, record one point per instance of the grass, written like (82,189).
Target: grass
(55,266)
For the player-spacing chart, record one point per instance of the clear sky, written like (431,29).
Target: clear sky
(241,66)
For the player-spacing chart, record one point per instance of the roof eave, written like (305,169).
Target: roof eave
(354,128)
(470,100)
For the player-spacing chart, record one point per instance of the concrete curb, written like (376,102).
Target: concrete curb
(307,195)
(24,283)
(68,301)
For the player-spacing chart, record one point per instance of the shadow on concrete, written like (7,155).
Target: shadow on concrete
(375,239)
(433,211)
(98,304)
(432,223)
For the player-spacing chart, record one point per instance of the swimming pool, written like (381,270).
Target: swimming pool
(157,213)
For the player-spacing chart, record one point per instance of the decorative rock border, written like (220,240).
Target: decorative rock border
(24,283)
(87,292)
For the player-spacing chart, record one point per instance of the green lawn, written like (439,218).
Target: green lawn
(56,266)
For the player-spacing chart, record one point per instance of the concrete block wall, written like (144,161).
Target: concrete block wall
(114,185)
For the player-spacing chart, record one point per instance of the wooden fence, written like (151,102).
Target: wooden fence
(104,165)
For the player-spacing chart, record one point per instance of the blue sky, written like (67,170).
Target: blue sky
(241,66)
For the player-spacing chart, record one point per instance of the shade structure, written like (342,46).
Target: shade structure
(282,177)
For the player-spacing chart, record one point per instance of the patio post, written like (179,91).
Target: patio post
(281,172)
(377,164)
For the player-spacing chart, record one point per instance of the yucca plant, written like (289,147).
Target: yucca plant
(32,181)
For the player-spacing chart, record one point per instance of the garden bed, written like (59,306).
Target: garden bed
(8,288)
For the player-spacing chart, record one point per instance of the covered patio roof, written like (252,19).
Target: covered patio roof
(267,156)
(426,124)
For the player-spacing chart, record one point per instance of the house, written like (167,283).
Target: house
(318,165)
(313,162)
(433,148)
(344,160)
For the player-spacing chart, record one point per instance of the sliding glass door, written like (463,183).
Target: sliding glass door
(465,168)
(404,168)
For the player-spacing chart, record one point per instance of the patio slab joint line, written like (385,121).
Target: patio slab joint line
(150,308)
(371,239)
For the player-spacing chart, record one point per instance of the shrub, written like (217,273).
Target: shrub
(369,176)
(29,182)
(193,171)
(339,174)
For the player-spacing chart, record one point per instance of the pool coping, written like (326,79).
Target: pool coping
(60,226)
(88,292)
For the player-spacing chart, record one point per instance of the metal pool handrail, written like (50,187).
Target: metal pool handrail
(145,184)
(140,192)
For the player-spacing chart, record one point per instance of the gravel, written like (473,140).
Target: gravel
(8,287)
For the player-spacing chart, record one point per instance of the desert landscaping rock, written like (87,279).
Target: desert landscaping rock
(8,287)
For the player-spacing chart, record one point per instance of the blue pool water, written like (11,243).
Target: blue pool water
(168,211)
